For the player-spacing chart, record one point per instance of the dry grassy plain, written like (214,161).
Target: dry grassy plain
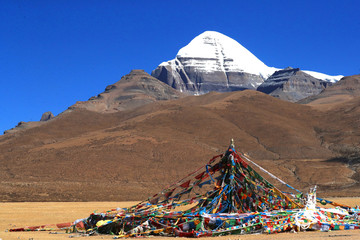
(39,213)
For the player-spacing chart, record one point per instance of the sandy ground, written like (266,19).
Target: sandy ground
(38,213)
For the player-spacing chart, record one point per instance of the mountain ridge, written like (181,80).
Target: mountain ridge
(133,90)
(292,84)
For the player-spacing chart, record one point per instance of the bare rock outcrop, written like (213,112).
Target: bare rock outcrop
(292,84)
(46,116)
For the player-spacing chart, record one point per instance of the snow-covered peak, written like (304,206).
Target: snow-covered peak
(221,53)
(212,52)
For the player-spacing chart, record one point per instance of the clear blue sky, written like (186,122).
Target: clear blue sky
(54,53)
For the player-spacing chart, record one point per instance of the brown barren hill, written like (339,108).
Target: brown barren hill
(345,89)
(85,155)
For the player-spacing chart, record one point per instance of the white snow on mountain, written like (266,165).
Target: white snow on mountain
(222,54)
(323,76)
(212,51)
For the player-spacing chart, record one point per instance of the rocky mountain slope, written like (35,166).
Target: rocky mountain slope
(344,90)
(133,90)
(292,85)
(215,62)
(84,155)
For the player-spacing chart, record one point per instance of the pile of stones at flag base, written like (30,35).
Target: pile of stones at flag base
(223,197)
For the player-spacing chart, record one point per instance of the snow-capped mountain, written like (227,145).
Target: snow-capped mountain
(215,62)
(213,51)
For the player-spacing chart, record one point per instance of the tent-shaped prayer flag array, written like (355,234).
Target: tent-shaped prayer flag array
(226,196)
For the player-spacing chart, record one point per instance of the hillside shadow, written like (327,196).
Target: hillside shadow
(351,160)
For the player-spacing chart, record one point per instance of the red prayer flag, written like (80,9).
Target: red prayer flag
(200,175)
(168,194)
(185,184)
